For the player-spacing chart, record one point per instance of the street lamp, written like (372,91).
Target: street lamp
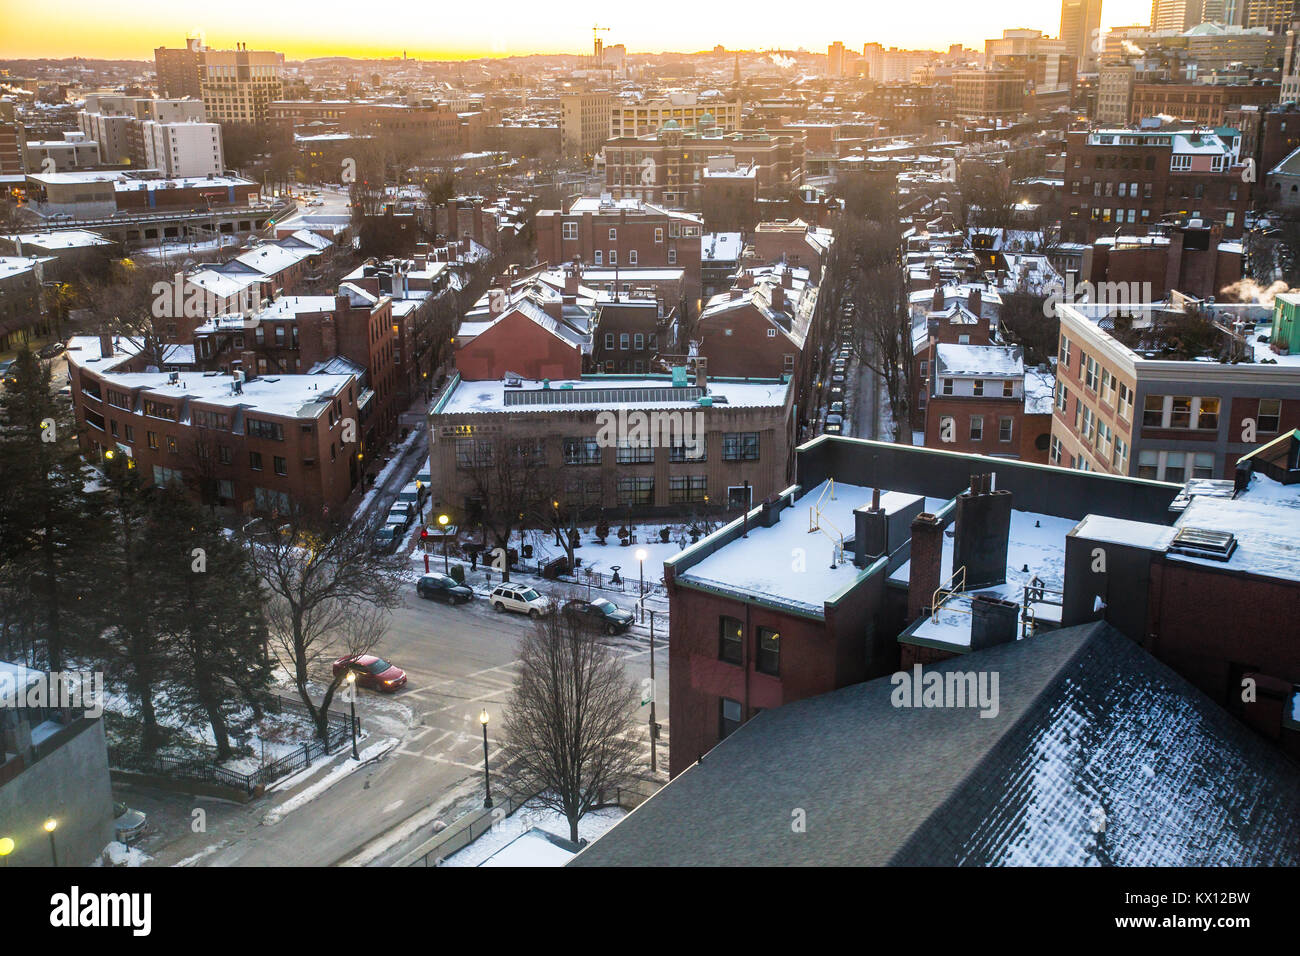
(487,780)
(446,567)
(6,847)
(640,557)
(50,826)
(352,702)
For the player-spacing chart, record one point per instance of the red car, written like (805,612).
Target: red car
(373,672)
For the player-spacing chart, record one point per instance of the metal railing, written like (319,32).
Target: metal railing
(955,584)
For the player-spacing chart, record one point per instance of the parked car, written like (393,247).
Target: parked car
(837,408)
(521,599)
(442,587)
(373,672)
(424,476)
(833,429)
(51,350)
(837,392)
(834,419)
(401,513)
(128,824)
(600,613)
(414,493)
(386,539)
(838,378)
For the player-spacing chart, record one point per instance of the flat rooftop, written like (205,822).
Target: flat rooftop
(604,393)
(762,564)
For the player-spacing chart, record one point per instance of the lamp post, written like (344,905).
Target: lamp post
(640,557)
(50,826)
(352,703)
(487,780)
(6,847)
(442,523)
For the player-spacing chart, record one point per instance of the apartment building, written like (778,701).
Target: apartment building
(183,149)
(584,123)
(561,429)
(1135,177)
(250,444)
(1171,392)
(685,109)
(238,86)
(1202,103)
(13,141)
(611,232)
(668,167)
(74,151)
(179,71)
(1081,29)
(988,94)
(1114,93)
(766,324)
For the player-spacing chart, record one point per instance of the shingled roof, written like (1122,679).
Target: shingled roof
(1099,755)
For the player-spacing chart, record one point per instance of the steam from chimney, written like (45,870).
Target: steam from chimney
(1248,290)
(1132,49)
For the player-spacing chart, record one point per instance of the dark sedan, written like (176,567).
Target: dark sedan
(600,613)
(442,587)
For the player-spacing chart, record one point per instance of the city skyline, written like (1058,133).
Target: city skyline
(331,29)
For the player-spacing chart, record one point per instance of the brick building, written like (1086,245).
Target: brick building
(1132,178)
(249,444)
(1202,103)
(611,233)
(1192,260)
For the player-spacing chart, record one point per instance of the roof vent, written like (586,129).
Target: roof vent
(1202,543)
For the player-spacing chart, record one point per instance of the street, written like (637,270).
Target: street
(460,660)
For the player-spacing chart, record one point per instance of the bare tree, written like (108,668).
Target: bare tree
(569,721)
(328,595)
(510,479)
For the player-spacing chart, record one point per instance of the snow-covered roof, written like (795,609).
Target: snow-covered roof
(607,393)
(1004,361)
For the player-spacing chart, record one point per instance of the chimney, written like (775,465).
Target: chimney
(421,256)
(778,298)
(975,301)
(936,304)
(248,363)
(982,529)
(736,293)
(935,276)
(870,532)
(787,278)
(926,564)
(105,345)
(571,282)
(701,373)
(771,513)
(992,621)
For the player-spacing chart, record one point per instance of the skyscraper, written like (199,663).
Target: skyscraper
(1081,31)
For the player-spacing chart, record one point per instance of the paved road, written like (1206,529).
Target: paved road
(460,660)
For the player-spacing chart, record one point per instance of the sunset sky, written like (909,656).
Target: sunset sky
(382,28)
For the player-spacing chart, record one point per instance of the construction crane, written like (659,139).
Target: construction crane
(595,43)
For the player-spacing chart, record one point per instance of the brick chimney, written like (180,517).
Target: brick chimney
(936,303)
(736,293)
(421,256)
(936,278)
(787,278)
(870,532)
(105,345)
(975,301)
(926,564)
(571,282)
(992,621)
(778,298)
(982,529)
(248,362)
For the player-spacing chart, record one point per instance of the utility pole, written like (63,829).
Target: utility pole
(654,727)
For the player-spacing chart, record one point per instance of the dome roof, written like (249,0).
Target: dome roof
(672,124)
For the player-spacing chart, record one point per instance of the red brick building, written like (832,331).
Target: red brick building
(1129,179)
(1194,261)
(761,326)
(526,338)
(608,233)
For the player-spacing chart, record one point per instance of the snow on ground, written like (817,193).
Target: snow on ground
(119,854)
(300,800)
(387,471)
(491,848)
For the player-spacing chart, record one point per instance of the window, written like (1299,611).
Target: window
(172,448)
(1175,466)
(684,489)
(152,440)
(695,451)
(166,476)
(768,659)
(1090,372)
(1180,412)
(1153,411)
(159,410)
(224,455)
(212,420)
(740,446)
(1203,465)
(976,427)
(947,386)
(1120,459)
(1062,397)
(978,388)
(225,490)
(472,453)
(1065,352)
(731,640)
(613,236)
(634,454)
(1125,402)
(633,492)
(255,460)
(613,257)
(1148,464)
(259,429)
(1207,413)
(1054,455)
(130,434)
(638,342)
(570,230)
(659,234)
(280,467)
(1004,428)
(581,451)
(728,717)
(624,341)
(672,257)
(631,257)
(609,341)
(1008,388)
(1270,415)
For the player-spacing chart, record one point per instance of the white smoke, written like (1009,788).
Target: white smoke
(784,62)
(1132,49)
(1248,290)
